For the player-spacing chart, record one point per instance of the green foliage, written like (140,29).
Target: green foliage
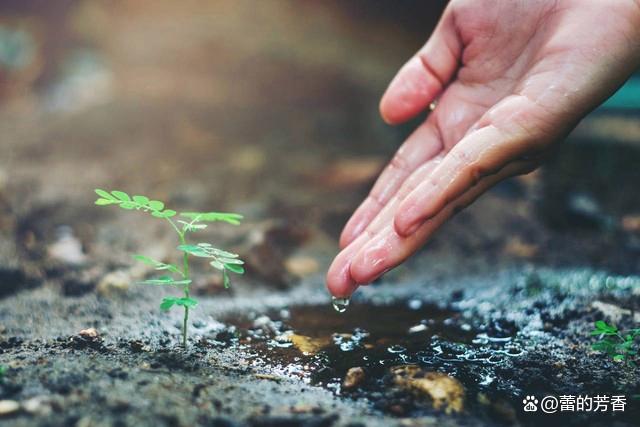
(218,258)
(3,371)
(169,302)
(231,218)
(620,346)
(143,203)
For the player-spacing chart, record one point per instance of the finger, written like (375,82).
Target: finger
(481,152)
(422,145)
(339,280)
(388,249)
(425,75)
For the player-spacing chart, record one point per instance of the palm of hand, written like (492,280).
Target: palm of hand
(511,78)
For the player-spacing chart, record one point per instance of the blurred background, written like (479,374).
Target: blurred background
(268,109)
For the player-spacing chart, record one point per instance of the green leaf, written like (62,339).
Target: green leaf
(186,302)
(104,202)
(217,264)
(194,250)
(168,213)
(104,194)
(231,260)
(167,303)
(159,265)
(235,268)
(155,205)
(165,281)
(601,324)
(121,195)
(231,218)
(141,200)
(225,279)
(128,205)
(618,358)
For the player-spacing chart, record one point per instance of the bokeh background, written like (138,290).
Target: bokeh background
(267,108)
(270,109)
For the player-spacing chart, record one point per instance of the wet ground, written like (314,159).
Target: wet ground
(270,109)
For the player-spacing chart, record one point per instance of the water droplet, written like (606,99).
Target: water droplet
(396,349)
(340,304)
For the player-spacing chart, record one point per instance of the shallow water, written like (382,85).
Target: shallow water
(319,346)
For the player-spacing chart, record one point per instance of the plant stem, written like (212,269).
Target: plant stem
(185,274)
(185,271)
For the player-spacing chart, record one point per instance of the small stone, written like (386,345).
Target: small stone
(8,407)
(519,248)
(116,282)
(309,345)
(631,223)
(301,265)
(37,406)
(418,328)
(89,333)
(354,377)
(67,248)
(613,312)
(445,392)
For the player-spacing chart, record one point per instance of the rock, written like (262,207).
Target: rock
(265,249)
(418,328)
(37,406)
(309,345)
(114,283)
(86,338)
(301,265)
(613,312)
(8,407)
(518,248)
(631,223)
(444,391)
(354,377)
(67,248)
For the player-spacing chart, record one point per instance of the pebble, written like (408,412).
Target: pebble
(301,265)
(67,248)
(8,407)
(116,282)
(36,405)
(354,377)
(89,333)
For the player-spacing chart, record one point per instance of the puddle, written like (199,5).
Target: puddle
(319,346)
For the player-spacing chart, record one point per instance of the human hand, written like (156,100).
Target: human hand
(511,78)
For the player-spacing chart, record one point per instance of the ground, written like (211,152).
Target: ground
(270,109)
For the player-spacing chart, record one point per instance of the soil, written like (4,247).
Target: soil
(261,108)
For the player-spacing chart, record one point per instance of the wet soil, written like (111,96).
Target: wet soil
(263,110)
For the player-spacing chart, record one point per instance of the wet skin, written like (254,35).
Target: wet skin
(511,78)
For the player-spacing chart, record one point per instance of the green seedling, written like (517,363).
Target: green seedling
(179,276)
(619,345)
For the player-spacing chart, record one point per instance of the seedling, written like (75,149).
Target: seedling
(619,345)
(179,277)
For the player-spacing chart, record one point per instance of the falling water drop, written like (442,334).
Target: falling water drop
(340,304)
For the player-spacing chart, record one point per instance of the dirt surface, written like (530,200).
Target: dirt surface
(270,109)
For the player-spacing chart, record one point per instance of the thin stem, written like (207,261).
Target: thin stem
(185,274)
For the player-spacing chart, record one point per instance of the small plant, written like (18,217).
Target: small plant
(180,276)
(619,345)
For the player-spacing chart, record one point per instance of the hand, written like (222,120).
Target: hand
(510,78)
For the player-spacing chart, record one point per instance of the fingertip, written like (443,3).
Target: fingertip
(338,280)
